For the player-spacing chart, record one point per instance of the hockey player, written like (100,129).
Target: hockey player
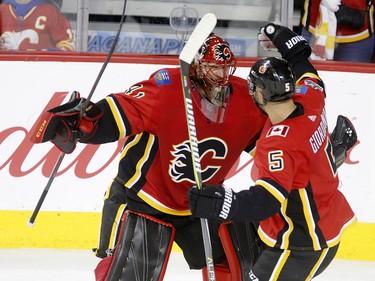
(156,166)
(34,25)
(302,213)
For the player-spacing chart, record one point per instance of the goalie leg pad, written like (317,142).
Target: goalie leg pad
(242,247)
(244,242)
(113,209)
(142,250)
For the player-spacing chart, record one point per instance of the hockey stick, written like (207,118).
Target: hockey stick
(31,221)
(197,38)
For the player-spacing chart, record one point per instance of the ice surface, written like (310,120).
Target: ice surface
(78,265)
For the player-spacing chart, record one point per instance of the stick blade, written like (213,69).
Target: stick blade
(203,29)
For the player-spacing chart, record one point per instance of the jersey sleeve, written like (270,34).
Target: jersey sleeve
(139,109)
(310,93)
(309,86)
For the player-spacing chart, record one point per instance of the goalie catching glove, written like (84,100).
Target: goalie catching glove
(273,37)
(212,202)
(64,125)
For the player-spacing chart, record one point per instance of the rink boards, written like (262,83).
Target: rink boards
(70,215)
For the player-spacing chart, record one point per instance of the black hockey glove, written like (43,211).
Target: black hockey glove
(64,125)
(212,202)
(276,37)
(343,138)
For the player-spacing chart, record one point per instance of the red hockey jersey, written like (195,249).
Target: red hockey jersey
(296,165)
(42,28)
(157,158)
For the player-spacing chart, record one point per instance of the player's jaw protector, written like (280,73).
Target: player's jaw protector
(209,73)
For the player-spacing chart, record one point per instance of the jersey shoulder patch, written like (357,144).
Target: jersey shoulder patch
(162,77)
(313,84)
(278,130)
(301,89)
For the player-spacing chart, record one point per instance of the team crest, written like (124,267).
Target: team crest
(262,69)
(180,168)
(221,52)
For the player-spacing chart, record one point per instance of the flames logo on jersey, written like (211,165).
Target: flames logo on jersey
(180,168)
(13,40)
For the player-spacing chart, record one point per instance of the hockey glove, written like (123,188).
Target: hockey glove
(286,41)
(212,202)
(343,138)
(64,125)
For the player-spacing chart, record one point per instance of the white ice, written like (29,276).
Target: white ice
(78,265)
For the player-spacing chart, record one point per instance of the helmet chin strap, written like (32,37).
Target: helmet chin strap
(259,104)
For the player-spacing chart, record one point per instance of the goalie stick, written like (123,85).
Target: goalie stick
(197,38)
(31,221)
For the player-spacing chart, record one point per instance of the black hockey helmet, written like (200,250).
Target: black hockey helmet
(274,76)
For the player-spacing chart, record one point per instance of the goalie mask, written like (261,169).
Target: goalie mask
(275,77)
(209,73)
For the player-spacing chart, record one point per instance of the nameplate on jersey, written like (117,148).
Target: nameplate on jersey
(278,130)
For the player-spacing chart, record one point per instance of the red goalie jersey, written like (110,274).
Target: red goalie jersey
(42,28)
(157,155)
